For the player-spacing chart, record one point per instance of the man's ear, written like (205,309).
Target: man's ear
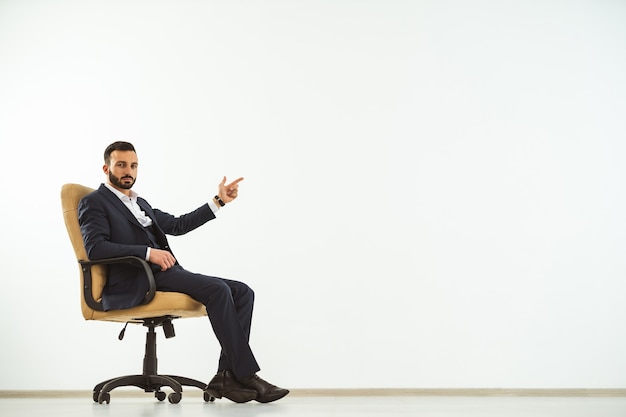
(105,169)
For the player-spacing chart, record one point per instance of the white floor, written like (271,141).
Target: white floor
(305,406)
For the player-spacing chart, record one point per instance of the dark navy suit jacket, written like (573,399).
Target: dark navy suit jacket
(110,230)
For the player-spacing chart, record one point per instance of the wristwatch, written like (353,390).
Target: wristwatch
(219,201)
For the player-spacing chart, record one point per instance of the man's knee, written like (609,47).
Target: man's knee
(221,290)
(234,291)
(245,292)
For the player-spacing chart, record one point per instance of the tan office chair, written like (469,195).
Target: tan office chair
(159,309)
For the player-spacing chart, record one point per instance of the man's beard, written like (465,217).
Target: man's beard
(118,181)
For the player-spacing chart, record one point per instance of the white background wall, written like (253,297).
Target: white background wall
(433,194)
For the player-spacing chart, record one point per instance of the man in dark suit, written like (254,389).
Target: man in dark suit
(114,221)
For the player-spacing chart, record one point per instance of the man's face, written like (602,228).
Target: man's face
(122,170)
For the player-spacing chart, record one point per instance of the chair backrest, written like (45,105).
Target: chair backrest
(71,194)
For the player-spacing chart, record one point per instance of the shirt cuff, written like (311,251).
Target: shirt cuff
(148,253)
(214,207)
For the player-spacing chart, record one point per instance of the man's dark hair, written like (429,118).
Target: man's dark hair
(117,146)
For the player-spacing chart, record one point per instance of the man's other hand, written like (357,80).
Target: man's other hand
(162,258)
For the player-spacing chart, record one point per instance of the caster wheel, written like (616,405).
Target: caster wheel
(104,397)
(174,397)
(160,395)
(208,397)
(96,395)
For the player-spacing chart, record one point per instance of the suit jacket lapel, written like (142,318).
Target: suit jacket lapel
(145,207)
(158,232)
(143,204)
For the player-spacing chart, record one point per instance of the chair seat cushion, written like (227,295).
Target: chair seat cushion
(164,303)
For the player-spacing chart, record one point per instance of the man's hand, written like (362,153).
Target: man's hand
(162,258)
(228,192)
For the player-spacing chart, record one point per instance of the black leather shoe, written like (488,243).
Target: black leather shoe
(224,384)
(266,392)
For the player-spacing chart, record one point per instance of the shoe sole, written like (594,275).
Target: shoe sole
(269,400)
(234,396)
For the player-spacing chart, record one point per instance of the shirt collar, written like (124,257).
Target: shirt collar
(133,195)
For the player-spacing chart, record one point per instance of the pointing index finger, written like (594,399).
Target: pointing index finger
(235,182)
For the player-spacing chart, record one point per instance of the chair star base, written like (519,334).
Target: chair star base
(150,380)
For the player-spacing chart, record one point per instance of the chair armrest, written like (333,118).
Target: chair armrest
(133,260)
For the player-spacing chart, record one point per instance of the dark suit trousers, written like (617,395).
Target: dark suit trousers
(229,305)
